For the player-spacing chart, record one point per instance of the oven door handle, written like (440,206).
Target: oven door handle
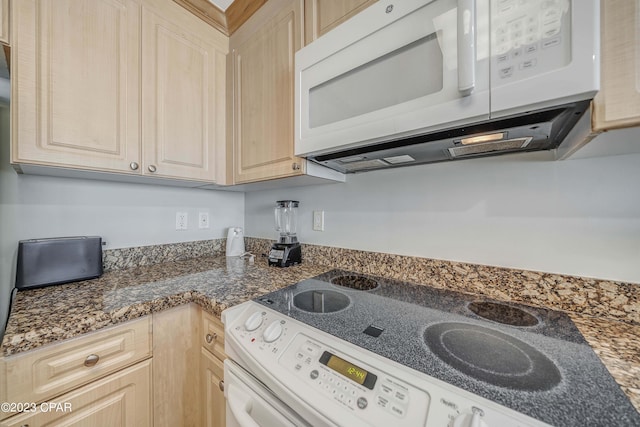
(240,405)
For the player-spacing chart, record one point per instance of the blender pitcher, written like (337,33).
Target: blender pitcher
(287,251)
(286,213)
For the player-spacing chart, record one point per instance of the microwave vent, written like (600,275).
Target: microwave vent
(364,164)
(509,144)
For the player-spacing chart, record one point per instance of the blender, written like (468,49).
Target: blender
(287,251)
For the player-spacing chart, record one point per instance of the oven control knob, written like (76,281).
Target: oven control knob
(272,332)
(253,322)
(469,420)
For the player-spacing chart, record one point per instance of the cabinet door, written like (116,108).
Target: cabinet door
(618,102)
(213,403)
(176,356)
(183,87)
(38,375)
(263,51)
(122,399)
(4,21)
(76,82)
(320,16)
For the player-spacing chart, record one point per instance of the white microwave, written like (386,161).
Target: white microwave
(412,67)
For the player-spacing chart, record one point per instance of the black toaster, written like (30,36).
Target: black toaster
(45,262)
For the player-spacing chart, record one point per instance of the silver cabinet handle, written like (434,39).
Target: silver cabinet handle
(134,165)
(152,168)
(466,46)
(91,360)
(221,385)
(295,166)
(211,337)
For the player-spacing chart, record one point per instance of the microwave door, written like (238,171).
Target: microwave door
(420,68)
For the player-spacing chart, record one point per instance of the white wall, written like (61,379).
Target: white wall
(123,214)
(577,217)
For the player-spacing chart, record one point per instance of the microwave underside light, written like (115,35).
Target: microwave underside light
(488,147)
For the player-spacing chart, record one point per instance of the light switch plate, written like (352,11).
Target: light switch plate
(318,220)
(203,220)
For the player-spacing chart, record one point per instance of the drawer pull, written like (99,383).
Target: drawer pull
(91,360)
(221,385)
(211,337)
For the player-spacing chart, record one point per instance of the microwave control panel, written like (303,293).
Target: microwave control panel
(528,38)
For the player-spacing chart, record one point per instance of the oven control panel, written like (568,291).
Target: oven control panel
(366,391)
(353,387)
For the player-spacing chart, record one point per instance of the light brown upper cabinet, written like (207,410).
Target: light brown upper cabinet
(79,69)
(617,104)
(75,84)
(321,16)
(262,66)
(183,90)
(4,21)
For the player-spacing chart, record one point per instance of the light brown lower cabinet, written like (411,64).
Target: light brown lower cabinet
(188,354)
(121,399)
(105,377)
(212,371)
(213,405)
(176,353)
(160,370)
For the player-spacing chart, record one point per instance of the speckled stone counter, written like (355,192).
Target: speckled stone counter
(46,315)
(571,294)
(606,313)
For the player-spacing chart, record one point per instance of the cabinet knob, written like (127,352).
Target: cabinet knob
(91,360)
(211,337)
(221,385)
(152,168)
(134,166)
(295,166)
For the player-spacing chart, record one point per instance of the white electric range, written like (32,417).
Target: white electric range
(350,350)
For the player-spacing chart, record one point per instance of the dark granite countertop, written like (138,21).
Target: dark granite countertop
(47,315)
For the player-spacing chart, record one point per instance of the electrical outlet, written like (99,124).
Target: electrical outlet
(181,220)
(318,220)
(203,220)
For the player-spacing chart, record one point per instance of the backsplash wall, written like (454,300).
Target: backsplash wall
(577,217)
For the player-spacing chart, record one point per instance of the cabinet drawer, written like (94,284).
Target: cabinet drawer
(122,399)
(42,373)
(213,335)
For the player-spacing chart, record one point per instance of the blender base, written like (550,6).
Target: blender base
(285,254)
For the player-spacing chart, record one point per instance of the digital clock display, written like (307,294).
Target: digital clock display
(349,370)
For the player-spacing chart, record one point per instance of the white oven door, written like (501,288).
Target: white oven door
(393,70)
(251,404)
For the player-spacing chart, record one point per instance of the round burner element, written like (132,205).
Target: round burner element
(492,356)
(321,301)
(503,313)
(359,283)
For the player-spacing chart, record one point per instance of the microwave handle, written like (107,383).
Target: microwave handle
(466,46)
